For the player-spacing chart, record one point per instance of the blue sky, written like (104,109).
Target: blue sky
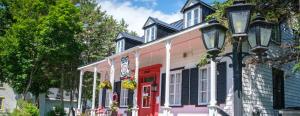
(136,12)
(166,6)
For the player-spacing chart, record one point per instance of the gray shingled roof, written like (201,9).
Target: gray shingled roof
(136,38)
(178,24)
(159,22)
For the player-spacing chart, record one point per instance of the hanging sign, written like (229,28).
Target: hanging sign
(125,72)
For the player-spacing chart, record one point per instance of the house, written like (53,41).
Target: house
(48,101)
(8,99)
(165,61)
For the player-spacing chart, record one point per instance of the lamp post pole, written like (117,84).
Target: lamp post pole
(237,77)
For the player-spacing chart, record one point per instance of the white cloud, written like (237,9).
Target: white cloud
(135,16)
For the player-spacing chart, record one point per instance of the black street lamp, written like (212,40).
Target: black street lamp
(213,37)
(239,17)
(259,35)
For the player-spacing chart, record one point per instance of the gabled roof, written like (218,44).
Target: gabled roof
(152,20)
(191,3)
(132,37)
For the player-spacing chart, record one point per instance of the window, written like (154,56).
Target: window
(150,34)
(192,17)
(120,46)
(2,103)
(124,98)
(107,98)
(189,19)
(203,86)
(196,16)
(175,88)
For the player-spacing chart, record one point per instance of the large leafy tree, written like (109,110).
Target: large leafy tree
(40,44)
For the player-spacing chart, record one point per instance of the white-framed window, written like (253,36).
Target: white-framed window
(196,16)
(192,17)
(150,34)
(203,86)
(124,98)
(175,88)
(120,46)
(2,103)
(107,98)
(189,19)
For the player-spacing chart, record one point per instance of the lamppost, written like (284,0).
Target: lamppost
(258,34)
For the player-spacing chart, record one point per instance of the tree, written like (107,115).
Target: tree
(39,43)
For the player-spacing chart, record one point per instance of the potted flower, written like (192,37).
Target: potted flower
(129,84)
(105,85)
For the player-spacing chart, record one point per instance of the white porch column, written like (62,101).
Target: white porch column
(213,84)
(166,105)
(112,77)
(94,91)
(136,76)
(80,90)
(100,92)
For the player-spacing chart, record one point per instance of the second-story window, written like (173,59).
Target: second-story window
(120,46)
(150,34)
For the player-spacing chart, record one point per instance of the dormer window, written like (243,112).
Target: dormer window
(195,11)
(150,34)
(192,17)
(120,46)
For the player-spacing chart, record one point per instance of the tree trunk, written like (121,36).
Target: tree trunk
(28,86)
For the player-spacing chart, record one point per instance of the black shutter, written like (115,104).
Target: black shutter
(194,86)
(103,97)
(185,87)
(278,88)
(221,82)
(163,87)
(130,98)
(117,89)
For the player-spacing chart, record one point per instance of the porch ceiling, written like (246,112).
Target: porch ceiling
(188,41)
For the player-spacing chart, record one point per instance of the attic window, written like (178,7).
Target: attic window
(150,34)
(192,17)
(120,46)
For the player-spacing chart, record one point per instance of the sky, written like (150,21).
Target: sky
(136,12)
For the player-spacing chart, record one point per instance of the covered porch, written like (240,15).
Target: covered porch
(175,52)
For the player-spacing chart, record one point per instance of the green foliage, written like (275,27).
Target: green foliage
(203,60)
(25,108)
(57,111)
(39,44)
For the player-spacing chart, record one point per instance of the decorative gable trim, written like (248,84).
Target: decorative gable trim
(192,3)
(149,22)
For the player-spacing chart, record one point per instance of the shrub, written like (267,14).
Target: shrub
(25,108)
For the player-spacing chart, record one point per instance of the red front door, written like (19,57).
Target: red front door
(146,97)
